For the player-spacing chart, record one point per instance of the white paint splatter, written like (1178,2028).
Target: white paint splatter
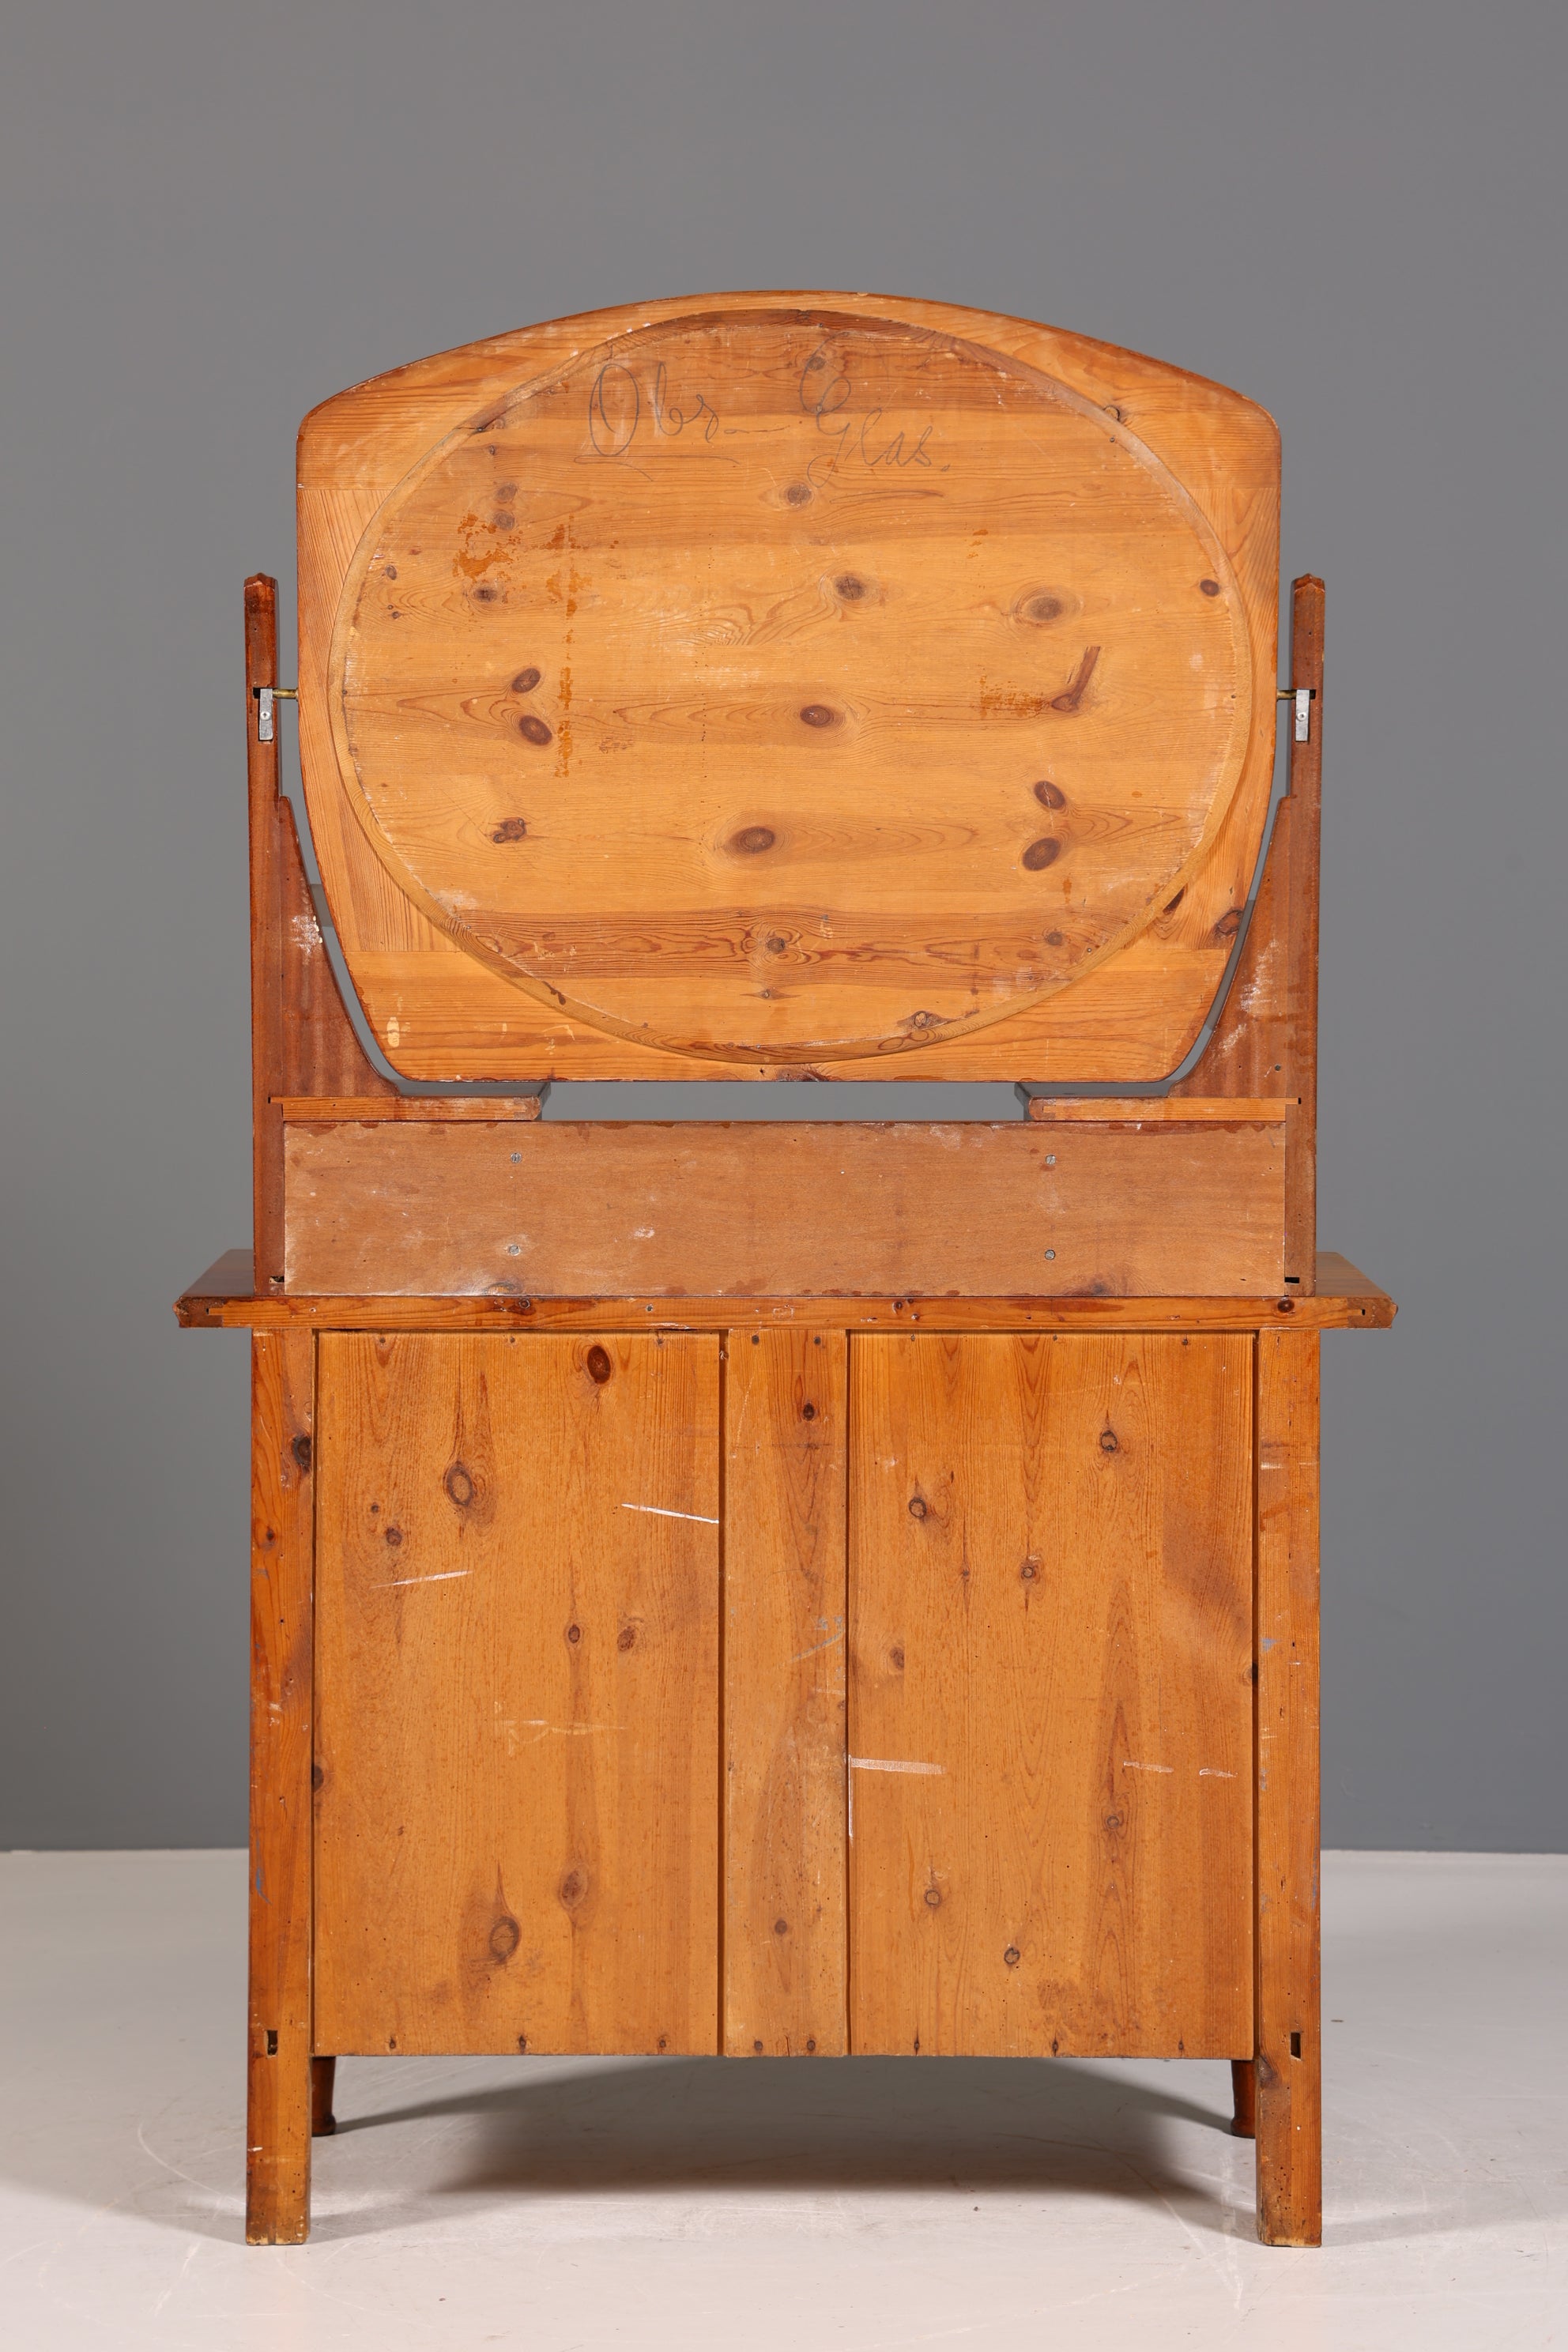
(443,1576)
(659,1513)
(890,1764)
(1128,1766)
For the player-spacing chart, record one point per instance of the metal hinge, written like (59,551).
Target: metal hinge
(1304,697)
(266,696)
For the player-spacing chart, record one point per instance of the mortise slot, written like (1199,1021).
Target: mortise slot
(272,2041)
(1295,2045)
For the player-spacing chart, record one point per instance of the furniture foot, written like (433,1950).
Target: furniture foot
(1244,2095)
(324,2122)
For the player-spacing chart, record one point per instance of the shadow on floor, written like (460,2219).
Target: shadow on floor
(707,2124)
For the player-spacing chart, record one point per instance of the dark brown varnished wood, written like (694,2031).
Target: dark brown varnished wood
(324,2122)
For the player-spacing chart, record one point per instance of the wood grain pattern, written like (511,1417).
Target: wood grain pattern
(222,1299)
(785,1469)
(1306,834)
(736,691)
(336,1110)
(518,1675)
(1050,1695)
(1289,2064)
(567,1208)
(265,940)
(433,1006)
(1173,1109)
(277,2132)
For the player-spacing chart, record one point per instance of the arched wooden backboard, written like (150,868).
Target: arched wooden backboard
(779,682)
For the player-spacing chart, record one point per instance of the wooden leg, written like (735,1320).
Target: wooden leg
(277,2135)
(1244,2098)
(1288,2065)
(324,2122)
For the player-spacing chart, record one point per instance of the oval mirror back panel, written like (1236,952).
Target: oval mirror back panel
(786,683)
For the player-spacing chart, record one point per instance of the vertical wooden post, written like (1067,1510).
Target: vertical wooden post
(1304,803)
(266,964)
(282,1583)
(1289,2055)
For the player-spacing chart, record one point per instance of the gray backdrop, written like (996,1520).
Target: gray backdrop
(214,217)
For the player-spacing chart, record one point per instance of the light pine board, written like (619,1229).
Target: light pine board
(517,1662)
(785,1471)
(943,646)
(1050,1696)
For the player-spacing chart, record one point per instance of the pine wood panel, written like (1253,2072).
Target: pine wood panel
(786,1471)
(1289,2068)
(518,1670)
(1306,857)
(266,924)
(440,1014)
(564,1209)
(222,1299)
(278,2131)
(1050,1695)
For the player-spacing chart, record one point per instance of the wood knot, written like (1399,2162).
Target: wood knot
(818,714)
(1228,924)
(318,1778)
(522,2041)
(1041,608)
(599,1365)
(932,1899)
(917,1506)
(851,589)
(781,1927)
(511,828)
(393,1536)
(1209,587)
(572,1888)
(798,494)
(1051,795)
(1041,854)
(1012,1955)
(752,840)
(1030,1570)
(808,1412)
(1108,1441)
(526,681)
(626,1637)
(504,1937)
(533,729)
(300,1450)
(460,1484)
(896,1656)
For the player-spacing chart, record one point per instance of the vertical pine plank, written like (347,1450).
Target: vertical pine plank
(517,1713)
(277,2138)
(1050,1695)
(1305,804)
(266,948)
(785,1500)
(1288,2061)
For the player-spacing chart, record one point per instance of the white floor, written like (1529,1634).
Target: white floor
(564,2205)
